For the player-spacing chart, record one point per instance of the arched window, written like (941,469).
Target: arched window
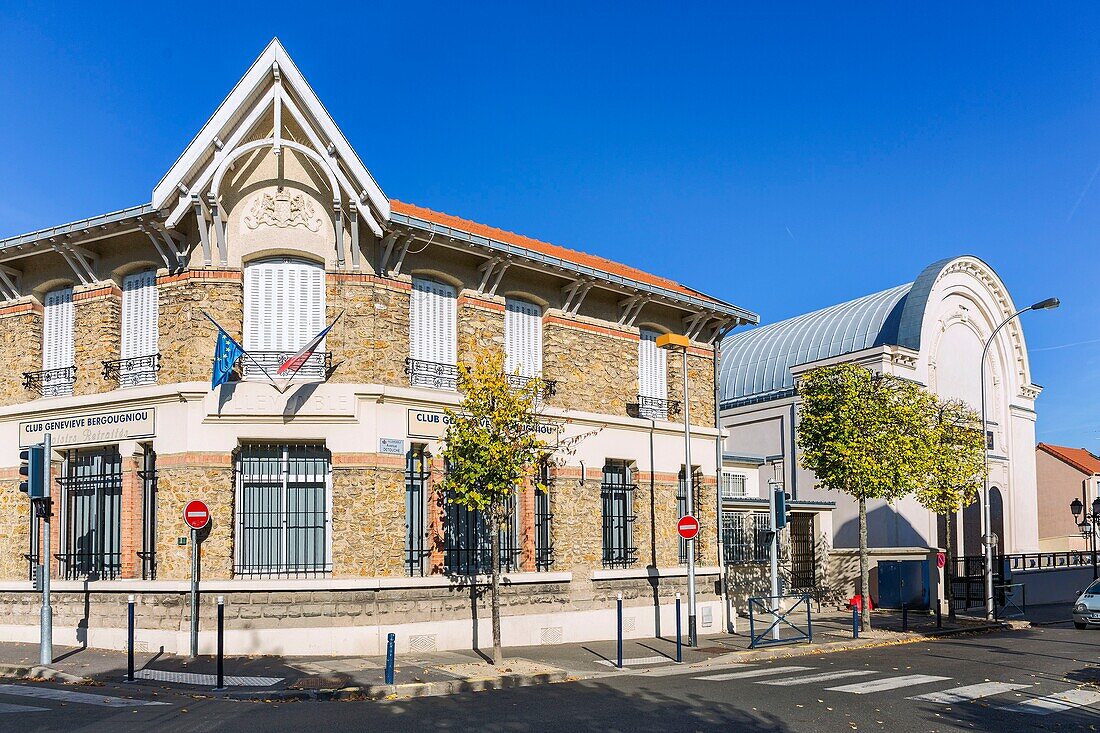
(284,307)
(997,517)
(522,338)
(972,528)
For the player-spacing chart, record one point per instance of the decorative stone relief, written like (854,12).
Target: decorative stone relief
(282,210)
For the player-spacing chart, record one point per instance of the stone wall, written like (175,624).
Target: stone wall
(187,337)
(368,510)
(596,369)
(700,384)
(14,526)
(578,524)
(181,478)
(371,341)
(20,348)
(97,329)
(480,327)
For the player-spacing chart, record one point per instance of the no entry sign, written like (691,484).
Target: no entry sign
(196,514)
(688,527)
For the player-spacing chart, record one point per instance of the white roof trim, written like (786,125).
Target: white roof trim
(166,194)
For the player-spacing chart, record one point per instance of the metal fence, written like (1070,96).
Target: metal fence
(783,624)
(544,519)
(1049,560)
(467,541)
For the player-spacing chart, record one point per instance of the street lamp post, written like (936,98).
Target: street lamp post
(988,540)
(1090,520)
(670,341)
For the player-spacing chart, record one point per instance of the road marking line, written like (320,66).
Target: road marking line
(7,707)
(969,692)
(889,683)
(48,693)
(1056,703)
(824,677)
(636,660)
(195,678)
(752,673)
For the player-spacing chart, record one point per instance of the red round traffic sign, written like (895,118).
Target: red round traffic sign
(688,527)
(196,514)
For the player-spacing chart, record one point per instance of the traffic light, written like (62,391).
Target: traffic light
(782,509)
(32,463)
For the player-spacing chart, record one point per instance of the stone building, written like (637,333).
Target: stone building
(329,528)
(1064,474)
(930,330)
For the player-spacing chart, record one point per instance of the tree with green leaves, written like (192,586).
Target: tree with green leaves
(958,466)
(492,450)
(867,435)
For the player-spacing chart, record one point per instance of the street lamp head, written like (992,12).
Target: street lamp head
(1046,304)
(1075,508)
(1096,509)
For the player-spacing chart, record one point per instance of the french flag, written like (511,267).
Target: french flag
(291,366)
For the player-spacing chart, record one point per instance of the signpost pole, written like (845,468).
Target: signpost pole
(45,647)
(693,640)
(773,556)
(194,593)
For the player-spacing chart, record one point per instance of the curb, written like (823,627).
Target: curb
(42,672)
(408,690)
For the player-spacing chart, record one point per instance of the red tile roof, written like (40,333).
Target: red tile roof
(552,250)
(1079,458)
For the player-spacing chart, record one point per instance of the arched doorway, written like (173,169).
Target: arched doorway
(972,528)
(997,518)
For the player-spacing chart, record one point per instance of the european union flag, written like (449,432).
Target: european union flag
(226,355)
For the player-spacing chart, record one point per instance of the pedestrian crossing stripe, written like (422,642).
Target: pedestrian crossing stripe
(748,674)
(49,693)
(823,677)
(1056,703)
(889,683)
(969,692)
(7,707)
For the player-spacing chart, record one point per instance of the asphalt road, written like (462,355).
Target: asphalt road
(1039,679)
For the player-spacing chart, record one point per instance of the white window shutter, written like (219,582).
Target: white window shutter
(284,304)
(433,322)
(140,330)
(652,368)
(57,330)
(522,338)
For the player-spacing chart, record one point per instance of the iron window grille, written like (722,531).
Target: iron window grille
(617,501)
(549,386)
(417,474)
(51,382)
(682,509)
(544,519)
(746,538)
(431,374)
(467,541)
(733,485)
(317,367)
(134,371)
(148,554)
(653,408)
(283,511)
(91,499)
(761,532)
(33,536)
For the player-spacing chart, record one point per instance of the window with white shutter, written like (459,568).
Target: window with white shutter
(652,377)
(57,344)
(140,331)
(522,338)
(284,307)
(433,319)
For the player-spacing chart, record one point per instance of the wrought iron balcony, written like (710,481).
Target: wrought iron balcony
(653,408)
(133,371)
(549,386)
(431,374)
(317,366)
(51,382)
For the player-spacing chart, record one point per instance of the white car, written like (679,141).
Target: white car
(1086,609)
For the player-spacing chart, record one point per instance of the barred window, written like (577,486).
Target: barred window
(283,499)
(745,537)
(733,485)
(417,473)
(762,524)
(617,500)
(467,541)
(544,538)
(682,509)
(91,499)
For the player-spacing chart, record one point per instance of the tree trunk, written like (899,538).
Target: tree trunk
(498,656)
(864,570)
(949,565)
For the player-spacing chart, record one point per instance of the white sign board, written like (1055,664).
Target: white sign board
(391,446)
(91,427)
(433,424)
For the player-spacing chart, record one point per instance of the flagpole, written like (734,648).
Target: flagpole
(245,353)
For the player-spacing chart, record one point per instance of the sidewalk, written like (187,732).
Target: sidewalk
(437,673)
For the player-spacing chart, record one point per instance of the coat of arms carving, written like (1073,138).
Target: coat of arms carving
(284,211)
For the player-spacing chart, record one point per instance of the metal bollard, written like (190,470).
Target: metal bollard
(620,632)
(855,622)
(391,643)
(939,613)
(679,651)
(130,639)
(221,643)
(904,617)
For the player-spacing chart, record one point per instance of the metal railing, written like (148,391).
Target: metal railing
(317,366)
(90,565)
(1049,560)
(544,537)
(133,371)
(653,408)
(51,382)
(784,627)
(431,374)
(467,542)
(549,386)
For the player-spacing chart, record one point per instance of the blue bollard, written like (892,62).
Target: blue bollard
(391,642)
(679,652)
(130,641)
(620,632)
(855,622)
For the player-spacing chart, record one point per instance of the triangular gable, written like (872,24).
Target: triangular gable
(240,112)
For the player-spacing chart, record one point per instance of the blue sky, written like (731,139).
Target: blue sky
(782,159)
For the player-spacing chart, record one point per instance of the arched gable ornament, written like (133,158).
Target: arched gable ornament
(283,211)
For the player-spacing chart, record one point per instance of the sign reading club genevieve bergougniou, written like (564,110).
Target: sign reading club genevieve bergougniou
(92,427)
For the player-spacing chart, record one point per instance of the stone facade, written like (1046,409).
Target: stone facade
(187,337)
(368,507)
(700,383)
(14,526)
(181,478)
(596,368)
(97,317)
(480,327)
(20,348)
(577,520)
(371,342)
